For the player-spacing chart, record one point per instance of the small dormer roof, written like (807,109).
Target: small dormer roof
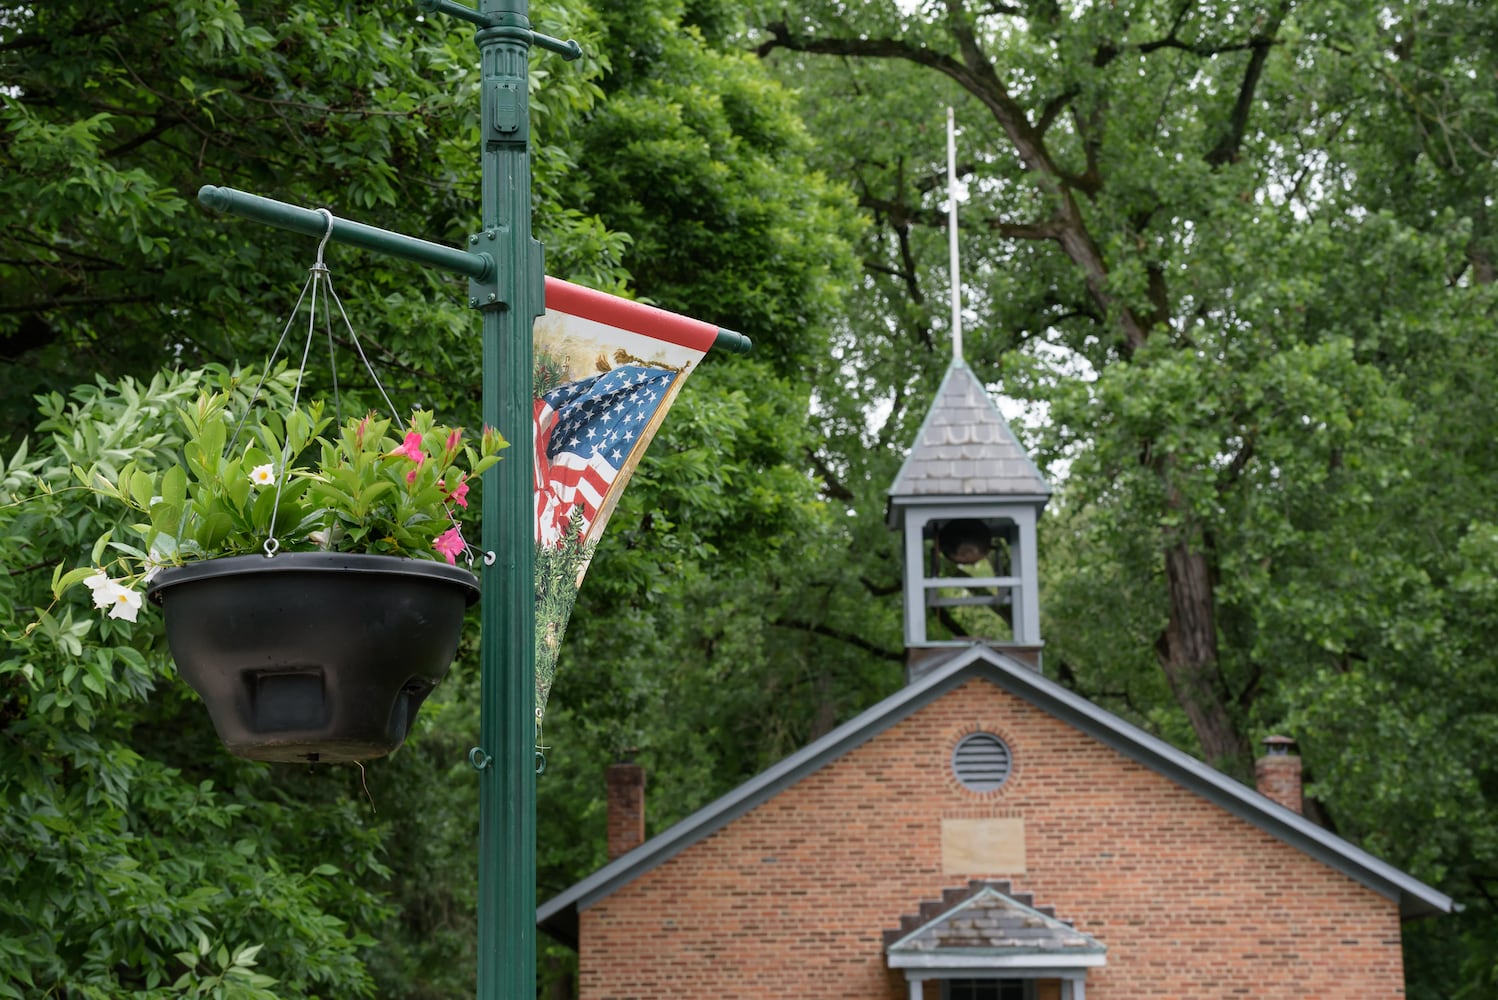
(965,448)
(987,925)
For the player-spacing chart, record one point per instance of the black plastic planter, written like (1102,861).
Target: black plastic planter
(313,656)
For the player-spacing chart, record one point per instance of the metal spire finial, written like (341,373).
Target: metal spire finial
(952,235)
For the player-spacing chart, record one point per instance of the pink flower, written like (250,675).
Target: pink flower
(459,495)
(412,448)
(454,439)
(360,431)
(449,543)
(411,478)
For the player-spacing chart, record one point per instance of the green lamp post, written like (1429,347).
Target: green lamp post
(506,275)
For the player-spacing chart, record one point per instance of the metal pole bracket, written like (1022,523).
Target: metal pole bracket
(568,50)
(484,291)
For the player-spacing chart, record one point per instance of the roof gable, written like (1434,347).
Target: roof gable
(559,915)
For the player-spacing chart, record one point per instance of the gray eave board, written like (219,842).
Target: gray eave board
(1415,897)
(965,447)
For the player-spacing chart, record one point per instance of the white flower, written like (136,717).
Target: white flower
(263,475)
(126,603)
(121,601)
(103,588)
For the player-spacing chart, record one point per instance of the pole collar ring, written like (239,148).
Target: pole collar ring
(479,760)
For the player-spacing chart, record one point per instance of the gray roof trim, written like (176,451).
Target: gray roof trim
(963,966)
(1416,899)
(967,501)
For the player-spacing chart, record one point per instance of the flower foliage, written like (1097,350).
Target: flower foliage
(270,483)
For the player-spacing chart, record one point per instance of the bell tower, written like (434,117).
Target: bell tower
(966,501)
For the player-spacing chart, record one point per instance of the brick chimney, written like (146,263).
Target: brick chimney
(1277,773)
(626,805)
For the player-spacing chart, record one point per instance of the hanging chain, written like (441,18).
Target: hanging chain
(319,283)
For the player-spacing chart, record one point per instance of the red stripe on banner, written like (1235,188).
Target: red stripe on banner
(585,482)
(636,317)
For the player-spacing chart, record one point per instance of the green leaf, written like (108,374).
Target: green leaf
(166,517)
(97,553)
(213,529)
(174,486)
(142,488)
(60,584)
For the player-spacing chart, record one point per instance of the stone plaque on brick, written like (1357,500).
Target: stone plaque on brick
(989,846)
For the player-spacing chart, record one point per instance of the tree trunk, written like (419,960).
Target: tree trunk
(1188,655)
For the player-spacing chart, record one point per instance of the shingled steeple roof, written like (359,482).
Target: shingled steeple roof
(965,448)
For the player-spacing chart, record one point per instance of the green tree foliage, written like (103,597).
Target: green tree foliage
(1239,255)
(114,118)
(665,164)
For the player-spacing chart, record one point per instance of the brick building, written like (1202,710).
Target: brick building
(984,833)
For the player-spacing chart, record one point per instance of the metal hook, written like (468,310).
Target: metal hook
(327,235)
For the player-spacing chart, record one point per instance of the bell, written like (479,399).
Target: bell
(964,541)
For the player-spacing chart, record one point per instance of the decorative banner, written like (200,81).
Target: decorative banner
(607,370)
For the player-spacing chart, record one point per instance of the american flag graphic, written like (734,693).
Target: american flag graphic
(585,432)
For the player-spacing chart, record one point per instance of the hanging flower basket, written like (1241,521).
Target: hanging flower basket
(295,601)
(323,647)
(313,656)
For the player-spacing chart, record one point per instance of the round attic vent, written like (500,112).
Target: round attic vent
(981,762)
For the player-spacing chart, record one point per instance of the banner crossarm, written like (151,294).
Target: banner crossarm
(310,222)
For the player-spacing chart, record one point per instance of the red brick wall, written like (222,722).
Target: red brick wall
(791,899)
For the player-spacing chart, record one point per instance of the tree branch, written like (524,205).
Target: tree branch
(37,39)
(880,589)
(1238,464)
(1053,108)
(67,303)
(162,126)
(902,215)
(1048,230)
(832,485)
(975,74)
(1229,147)
(850,638)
